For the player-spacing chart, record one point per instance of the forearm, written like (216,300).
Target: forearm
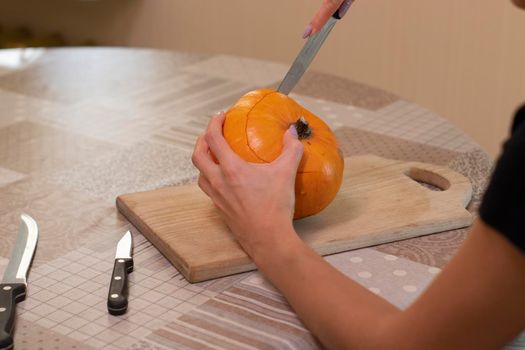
(340,312)
(476,302)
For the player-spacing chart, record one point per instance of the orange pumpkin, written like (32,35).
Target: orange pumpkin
(254,128)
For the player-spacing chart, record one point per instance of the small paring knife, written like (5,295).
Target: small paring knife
(308,52)
(118,288)
(14,283)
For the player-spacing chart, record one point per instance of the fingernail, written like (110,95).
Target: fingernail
(307,31)
(293,130)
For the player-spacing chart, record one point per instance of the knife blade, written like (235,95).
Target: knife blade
(123,265)
(307,54)
(14,282)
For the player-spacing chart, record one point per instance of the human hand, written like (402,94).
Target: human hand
(328,8)
(255,199)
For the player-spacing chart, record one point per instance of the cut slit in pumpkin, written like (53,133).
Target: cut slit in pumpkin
(254,128)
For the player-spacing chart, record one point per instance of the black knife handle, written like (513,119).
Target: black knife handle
(10,294)
(341,11)
(118,288)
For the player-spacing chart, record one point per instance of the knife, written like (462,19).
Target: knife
(118,288)
(14,285)
(308,52)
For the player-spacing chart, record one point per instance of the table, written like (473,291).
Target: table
(80,126)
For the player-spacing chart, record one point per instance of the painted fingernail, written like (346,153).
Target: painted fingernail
(293,130)
(307,31)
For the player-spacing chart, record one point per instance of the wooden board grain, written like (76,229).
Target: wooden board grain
(379,202)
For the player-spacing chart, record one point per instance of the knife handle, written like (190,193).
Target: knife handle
(10,294)
(341,11)
(118,288)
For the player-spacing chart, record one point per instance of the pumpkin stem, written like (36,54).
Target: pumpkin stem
(303,128)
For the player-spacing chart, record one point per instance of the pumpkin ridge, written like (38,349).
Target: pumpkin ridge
(256,124)
(246,129)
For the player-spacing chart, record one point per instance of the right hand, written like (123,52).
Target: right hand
(328,8)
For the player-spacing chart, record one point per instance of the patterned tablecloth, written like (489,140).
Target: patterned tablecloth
(80,126)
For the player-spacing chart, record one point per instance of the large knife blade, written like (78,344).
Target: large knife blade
(14,282)
(118,288)
(307,54)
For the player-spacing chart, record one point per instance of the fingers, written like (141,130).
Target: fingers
(211,192)
(326,11)
(202,159)
(215,140)
(205,185)
(292,152)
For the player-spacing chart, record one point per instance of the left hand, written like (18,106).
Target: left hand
(255,199)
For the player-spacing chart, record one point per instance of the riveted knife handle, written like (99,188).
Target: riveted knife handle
(118,288)
(10,294)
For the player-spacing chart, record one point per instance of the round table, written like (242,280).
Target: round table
(79,126)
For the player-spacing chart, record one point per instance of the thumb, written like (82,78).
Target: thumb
(292,151)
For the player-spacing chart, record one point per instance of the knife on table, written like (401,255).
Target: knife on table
(118,288)
(309,50)
(14,284)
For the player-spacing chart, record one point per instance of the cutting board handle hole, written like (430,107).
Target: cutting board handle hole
(428,179)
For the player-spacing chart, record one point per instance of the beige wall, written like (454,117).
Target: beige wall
(462,59)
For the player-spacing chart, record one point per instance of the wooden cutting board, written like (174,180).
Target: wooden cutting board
(379,202)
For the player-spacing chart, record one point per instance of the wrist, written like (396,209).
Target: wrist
(277,248)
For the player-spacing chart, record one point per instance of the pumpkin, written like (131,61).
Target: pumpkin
(254,128)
